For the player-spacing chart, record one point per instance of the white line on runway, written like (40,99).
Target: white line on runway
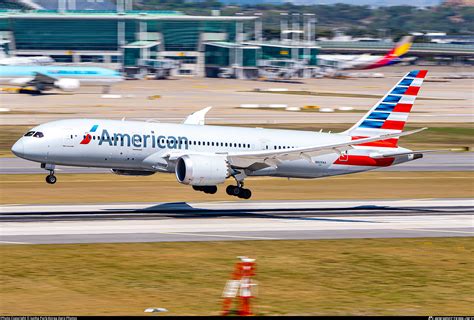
(434,230)
(12,242)
(215,235)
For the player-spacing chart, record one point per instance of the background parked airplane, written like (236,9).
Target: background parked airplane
(367,61)
(65,78)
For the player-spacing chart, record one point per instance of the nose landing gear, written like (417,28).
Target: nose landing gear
(51,178)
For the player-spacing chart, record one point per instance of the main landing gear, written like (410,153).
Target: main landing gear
(206,189)
(50,178)
(238,192)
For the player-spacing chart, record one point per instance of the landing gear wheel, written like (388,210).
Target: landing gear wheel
(51,179)
(245,193)
(233,191)
(238,192)
(206,189)
(229,190)
(210,189)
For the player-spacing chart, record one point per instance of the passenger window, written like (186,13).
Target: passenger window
(38,135)
(29,133)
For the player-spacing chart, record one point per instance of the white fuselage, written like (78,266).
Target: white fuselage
(134,145)
(341,61)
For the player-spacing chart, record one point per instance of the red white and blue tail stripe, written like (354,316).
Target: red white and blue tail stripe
(390,114)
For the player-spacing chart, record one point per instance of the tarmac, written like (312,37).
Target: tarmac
(456,161)
(232,221)
(442,99)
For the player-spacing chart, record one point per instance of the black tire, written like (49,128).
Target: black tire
(197,188)
(51,179)
(230,190)
(237,191)
(210,189)
(246,194)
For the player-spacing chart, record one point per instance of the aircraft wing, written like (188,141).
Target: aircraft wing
(42,78)
(273,157)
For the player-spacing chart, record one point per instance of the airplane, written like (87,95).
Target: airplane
(367,61)
(204,156)
(21,61)
(65,78)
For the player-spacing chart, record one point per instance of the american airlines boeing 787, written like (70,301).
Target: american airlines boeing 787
(204,156)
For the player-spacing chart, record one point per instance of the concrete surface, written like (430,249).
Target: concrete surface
(456,161)
(230,221)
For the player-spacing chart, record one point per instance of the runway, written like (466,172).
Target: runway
(239,220)
(457,161)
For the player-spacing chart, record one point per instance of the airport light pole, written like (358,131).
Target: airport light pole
(295,35)
(258,27)
(239,28)
(283,25)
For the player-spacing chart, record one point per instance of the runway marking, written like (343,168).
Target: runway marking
(216,235)
(13,242)
(322,219)
(435,230)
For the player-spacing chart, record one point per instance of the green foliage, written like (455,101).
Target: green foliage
(355,20)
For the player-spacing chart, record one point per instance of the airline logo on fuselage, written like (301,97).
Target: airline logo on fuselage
(138,140)
(87,136)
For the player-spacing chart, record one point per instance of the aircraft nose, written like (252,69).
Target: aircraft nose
(18,148)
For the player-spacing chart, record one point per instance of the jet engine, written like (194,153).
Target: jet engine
(200,170)
(67,84)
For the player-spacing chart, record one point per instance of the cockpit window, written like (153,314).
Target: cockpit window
(38,134)
(29,133)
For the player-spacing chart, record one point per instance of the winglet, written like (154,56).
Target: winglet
(197,118)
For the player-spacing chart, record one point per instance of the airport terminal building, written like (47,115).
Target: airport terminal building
(199,45)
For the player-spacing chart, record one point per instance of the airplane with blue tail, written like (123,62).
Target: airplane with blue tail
(65,78)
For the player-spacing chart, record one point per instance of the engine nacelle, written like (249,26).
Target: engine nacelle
(200,170)
(122,172)
(67,84)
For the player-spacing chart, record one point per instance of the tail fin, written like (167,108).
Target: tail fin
(390,114)
(403,46)
(394,55)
